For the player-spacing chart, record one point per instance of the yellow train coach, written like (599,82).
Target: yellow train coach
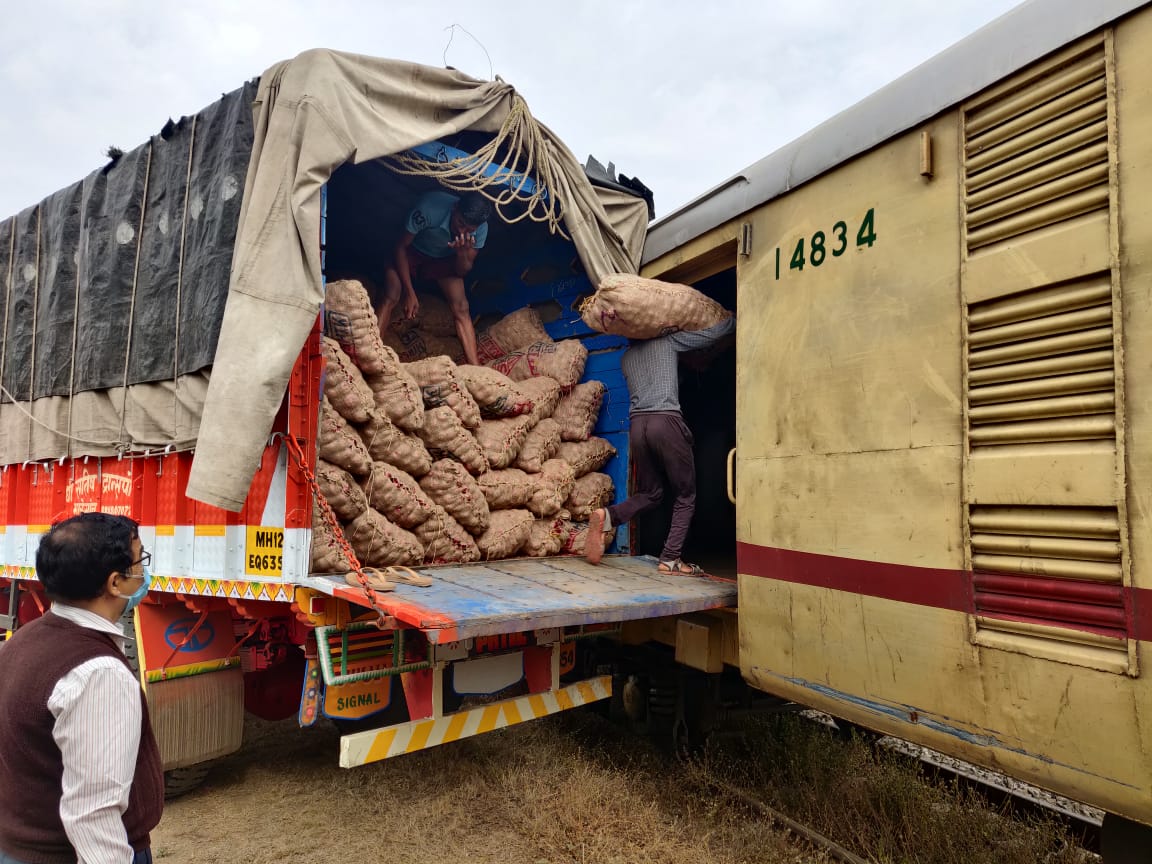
(943,440)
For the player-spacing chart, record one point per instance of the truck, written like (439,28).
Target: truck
(162,359)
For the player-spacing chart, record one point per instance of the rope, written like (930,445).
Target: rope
(135,284)
(80,264)
(120,446)
(35,315)
(8,292)
(180,284)
(525,155)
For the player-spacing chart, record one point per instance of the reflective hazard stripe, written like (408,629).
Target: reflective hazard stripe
(375,744)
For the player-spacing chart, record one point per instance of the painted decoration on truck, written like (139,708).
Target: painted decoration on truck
(173,642)
(228,588)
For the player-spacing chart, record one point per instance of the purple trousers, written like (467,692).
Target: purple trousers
(661,450)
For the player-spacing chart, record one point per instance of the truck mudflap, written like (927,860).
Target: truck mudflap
(512,596)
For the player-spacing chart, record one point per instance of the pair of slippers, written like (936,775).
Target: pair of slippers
(388,578)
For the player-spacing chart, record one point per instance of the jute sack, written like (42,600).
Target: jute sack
(639,308)
(377,542)
(590,492)
(351,321)
(511,333)
(585,456)
(563,361)
(577,412)
(440,386)
(413,345)
(397,396)
(434,317)
(507,532)
(546,536)
(387,443)
(540,445)
(507,488)
(545,394)
(501,440)
(342,493)
(396,495)
(445,435)
(445,541)
(493,391)
(451,486)
(576,535)
(344,385)
(339,444)
(327,556)
(551,489)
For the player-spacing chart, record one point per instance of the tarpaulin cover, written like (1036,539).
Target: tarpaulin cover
(114,289)
(130,299)
(313,114)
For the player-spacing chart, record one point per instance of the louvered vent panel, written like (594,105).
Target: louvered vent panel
(1041,366)
(1038,154)
(1051,571)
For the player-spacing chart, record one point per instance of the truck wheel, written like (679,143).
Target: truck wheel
(181,781)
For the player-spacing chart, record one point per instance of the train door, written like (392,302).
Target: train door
(708,403)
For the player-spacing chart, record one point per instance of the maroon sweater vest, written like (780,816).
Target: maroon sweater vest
(37,656)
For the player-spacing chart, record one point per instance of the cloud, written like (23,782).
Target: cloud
(681,94)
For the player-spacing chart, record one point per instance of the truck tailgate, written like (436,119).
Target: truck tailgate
(511,596)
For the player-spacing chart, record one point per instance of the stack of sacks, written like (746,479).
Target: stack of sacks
(430,462)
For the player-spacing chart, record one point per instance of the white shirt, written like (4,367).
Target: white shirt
(98,717)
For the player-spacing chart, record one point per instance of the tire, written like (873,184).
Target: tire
(181,781)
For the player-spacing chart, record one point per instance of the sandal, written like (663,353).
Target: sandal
(375,579)
(407,576)
(679,568)
(594,542)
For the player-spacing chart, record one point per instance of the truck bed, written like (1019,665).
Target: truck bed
(486,599)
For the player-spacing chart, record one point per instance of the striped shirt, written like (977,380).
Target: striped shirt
(98,722)
(651,369)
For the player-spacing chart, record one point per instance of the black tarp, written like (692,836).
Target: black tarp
(131,265)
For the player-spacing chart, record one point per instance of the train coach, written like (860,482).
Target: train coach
(942,457)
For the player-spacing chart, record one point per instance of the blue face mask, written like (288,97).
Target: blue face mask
(140,593)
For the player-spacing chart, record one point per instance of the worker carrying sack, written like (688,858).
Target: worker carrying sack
(639,308)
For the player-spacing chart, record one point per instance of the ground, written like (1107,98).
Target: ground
(564,789)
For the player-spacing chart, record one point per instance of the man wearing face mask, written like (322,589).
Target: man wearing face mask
(82,776)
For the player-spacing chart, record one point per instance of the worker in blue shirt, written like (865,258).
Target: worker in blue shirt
(443,233)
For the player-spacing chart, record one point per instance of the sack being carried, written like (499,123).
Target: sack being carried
(639,308)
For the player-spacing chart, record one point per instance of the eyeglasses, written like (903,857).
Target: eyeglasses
(145,560)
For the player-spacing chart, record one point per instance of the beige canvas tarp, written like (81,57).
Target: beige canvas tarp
(311,115)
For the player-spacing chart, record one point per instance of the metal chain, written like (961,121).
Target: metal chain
(384,621)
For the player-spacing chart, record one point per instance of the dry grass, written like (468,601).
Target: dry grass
(574,789)
(567,789)
(875,802)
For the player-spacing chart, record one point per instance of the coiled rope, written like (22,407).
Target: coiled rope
(501,169)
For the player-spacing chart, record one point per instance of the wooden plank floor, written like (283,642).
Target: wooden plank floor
(509,596)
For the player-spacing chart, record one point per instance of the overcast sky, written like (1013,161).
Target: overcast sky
(680,93)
